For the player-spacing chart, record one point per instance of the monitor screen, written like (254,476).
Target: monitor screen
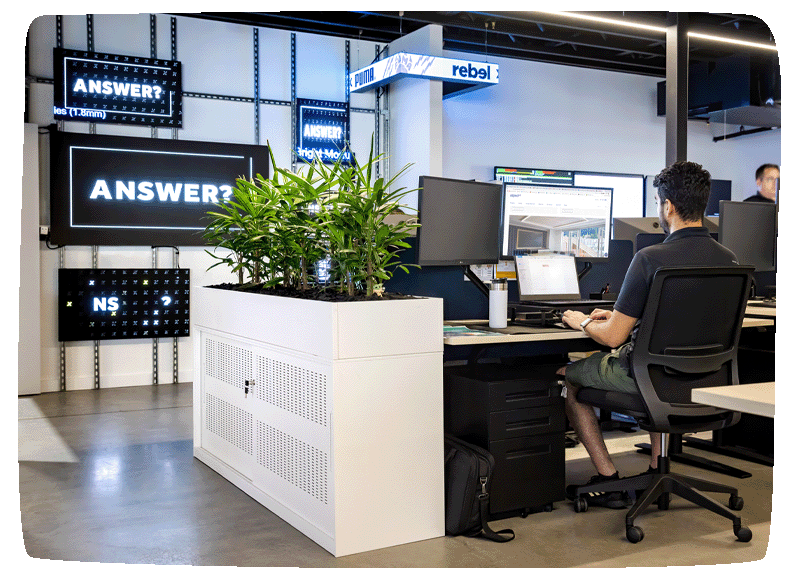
(536,176)
(547,277)
(459,221)
(574,220)
(628,191)
(750,230)
(720,190)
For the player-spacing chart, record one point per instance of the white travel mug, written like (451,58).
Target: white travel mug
(498,304)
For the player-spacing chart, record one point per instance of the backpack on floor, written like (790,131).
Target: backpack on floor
(467,481)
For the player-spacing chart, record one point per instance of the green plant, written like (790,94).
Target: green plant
(277,230)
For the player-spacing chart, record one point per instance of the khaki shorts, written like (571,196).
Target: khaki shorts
(602,371)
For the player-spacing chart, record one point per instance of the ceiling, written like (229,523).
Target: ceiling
(533,36)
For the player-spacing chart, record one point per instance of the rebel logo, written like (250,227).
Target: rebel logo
(471,72)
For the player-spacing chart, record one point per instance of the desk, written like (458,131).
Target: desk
(756,398)
(516,334)
(755,310)
(499,412)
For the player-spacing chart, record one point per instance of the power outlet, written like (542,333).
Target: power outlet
(44,231)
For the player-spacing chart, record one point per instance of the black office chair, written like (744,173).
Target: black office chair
(687,338)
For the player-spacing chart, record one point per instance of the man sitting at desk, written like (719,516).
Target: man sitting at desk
(683,190)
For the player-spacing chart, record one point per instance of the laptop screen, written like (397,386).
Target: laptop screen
(547,277)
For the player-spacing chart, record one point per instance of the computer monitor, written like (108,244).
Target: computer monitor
(628,190)
(750,230)
(535,176)
(459,221)
(720,190)
(573,220)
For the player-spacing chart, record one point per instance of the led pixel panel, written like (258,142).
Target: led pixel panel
(109,304)
(113,88)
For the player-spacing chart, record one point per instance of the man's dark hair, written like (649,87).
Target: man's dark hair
(760,171)
(687,185)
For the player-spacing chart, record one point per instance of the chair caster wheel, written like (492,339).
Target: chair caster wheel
(743,534)
(736,503)
(635,534)
(581,505)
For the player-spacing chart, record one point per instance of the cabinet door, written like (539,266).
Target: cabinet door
(226,416)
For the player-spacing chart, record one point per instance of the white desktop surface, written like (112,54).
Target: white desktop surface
(754,398)
(533,334)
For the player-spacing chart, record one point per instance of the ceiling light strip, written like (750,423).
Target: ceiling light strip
(661,29)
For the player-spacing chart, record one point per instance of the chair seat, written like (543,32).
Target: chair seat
(613,401)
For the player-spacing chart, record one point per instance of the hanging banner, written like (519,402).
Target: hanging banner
(460,76)
(111,88)
(323,129)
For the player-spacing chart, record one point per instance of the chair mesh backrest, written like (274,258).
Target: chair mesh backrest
(688,337)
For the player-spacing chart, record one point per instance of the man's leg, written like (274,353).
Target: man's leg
(582,418)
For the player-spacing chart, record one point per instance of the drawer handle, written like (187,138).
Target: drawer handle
(529,423)
(523,453)
(516,397)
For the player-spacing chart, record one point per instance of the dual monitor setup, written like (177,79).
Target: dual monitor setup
(534,212)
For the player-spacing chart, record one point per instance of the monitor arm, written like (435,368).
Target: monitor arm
(475,280)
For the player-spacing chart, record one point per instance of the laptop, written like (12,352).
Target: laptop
(551,280)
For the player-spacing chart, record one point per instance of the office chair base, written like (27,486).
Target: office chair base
(691,489)
(657,489)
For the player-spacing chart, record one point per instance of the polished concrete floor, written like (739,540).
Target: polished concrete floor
(108,476)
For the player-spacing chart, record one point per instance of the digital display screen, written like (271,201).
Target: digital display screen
(108,304)
(573,220)
(323,130)
(535,176)
(112,88)
(118,191)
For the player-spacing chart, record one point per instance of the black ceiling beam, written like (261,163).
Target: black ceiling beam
(562,58)
(529,35)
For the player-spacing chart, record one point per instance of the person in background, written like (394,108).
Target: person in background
(766,183)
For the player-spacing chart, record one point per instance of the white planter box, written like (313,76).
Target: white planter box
(340,432)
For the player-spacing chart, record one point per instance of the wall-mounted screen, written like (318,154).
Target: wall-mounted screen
(535,176)
(574,220)
(459,221)
(112,88)
(323,131)
(129,191)
(109,304)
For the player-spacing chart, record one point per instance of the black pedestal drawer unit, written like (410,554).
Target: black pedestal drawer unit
(517,413)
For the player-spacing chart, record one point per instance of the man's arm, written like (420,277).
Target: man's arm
(610,328)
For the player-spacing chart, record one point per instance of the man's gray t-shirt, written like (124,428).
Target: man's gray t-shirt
(684,247)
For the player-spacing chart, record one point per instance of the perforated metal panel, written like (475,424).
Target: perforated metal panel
(293,388)
(228,363)
(293,460)
(229,422)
